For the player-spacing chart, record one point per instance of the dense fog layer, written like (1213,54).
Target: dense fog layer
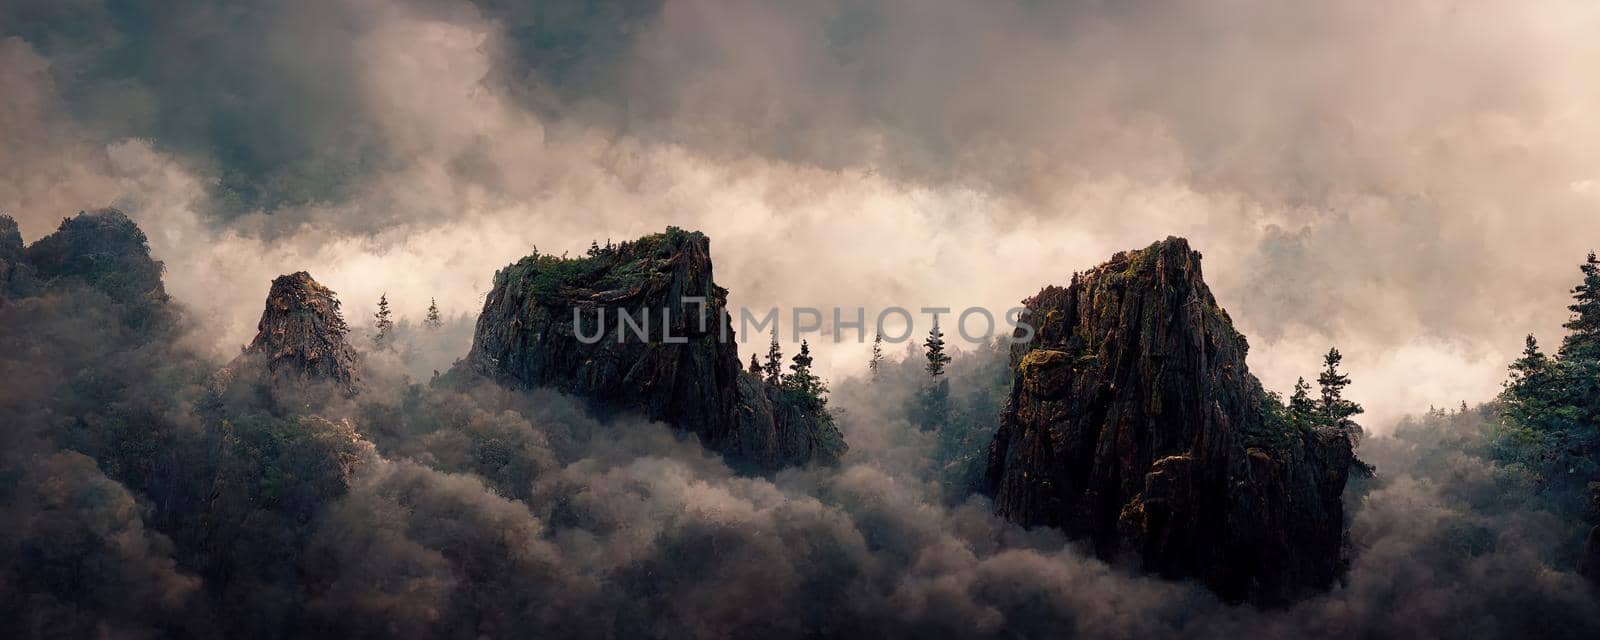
(139,499)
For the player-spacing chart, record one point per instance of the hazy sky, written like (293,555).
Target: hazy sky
(1412,181)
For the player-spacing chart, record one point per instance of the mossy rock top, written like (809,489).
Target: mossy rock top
(618,267)
(1045,371)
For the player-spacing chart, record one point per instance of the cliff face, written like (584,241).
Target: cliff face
(301,335)
(685,371)
(1134,423)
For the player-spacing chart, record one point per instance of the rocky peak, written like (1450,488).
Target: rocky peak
(1134,423)
(693,380)
(302,334)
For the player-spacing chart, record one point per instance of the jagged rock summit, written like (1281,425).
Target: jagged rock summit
(301,335)
(1134,423)
(686,370)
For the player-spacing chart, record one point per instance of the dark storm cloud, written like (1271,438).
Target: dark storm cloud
(266,98)
(1426,160)
(262,96)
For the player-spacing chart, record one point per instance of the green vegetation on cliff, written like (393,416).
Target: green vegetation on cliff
(1548,425)
(607,268)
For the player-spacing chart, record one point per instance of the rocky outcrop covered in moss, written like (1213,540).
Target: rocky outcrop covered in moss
(684,371)
(1134,424)
(301,335)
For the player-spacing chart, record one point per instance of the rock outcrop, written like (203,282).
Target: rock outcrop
(684,370)
(301,336)
(1134,423)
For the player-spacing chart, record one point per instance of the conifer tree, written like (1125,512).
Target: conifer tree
(937,358)
(755,366)
(1583,337)
(1334,408)
(935,396)
(875,365)
(1533,363)
(800,378)
(1529,388)
(774,359)
(1550,405)
(432,320)
(382,323)
(594,248)
(1302,409)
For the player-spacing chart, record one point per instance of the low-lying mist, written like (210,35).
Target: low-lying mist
(139,501)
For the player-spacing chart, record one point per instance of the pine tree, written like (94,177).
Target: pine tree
(875,365)
(774,360)
(383,324)
(1550,405)
(755,366)
(1530,388)
(1583,337)
(1302,409)
(1531,365)
(432,320)
(934,398)
(800,378)
(594,248)
(1334,408)
(937,358)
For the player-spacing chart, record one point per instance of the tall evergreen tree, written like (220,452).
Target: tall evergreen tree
(432,320)
(1334,408)
(774,359)
(594,248)
(1550,406)
(875,365)
(1583,337)
(1528,369)
(755,366)
(800,378)
(1302,408)
(383,324)
(937,358)
(934,397)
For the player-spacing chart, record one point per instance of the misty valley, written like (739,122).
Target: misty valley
(728,319)
(1121,467)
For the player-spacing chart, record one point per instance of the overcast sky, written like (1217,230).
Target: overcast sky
(1413,181)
